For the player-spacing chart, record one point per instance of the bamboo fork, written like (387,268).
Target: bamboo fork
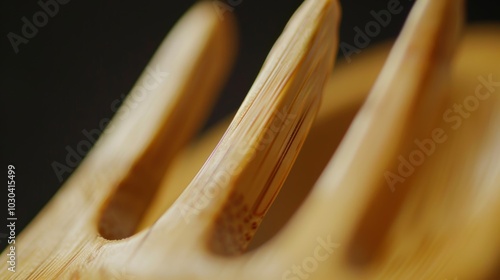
(361,228)
(242,176)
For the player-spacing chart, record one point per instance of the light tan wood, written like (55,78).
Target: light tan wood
(440,223)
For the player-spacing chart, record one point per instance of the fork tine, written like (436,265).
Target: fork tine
(197,56)
(241,178)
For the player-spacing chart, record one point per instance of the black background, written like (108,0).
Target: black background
(91,52)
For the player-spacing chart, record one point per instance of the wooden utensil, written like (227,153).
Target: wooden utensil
(437,223)
(242,176)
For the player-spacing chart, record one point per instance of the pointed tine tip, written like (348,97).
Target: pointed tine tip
(307,45)
(432,30)
(419,62)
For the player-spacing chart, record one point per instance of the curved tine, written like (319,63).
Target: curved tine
(252,159)
(409,84)
(160,114)
(197,56)
(267,132)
